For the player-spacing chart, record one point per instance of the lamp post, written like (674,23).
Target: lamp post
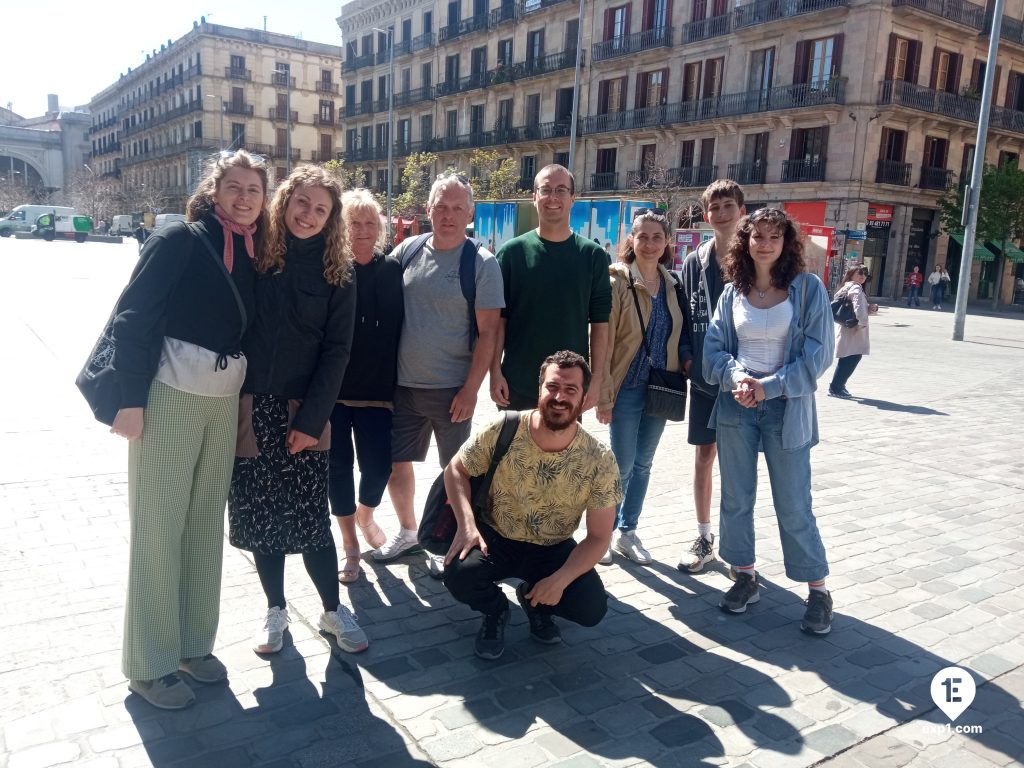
(212,96)
(391,120)
(576,93)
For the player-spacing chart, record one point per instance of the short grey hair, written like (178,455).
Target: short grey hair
(450,179)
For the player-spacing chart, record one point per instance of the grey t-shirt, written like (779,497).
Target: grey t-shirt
(433,352)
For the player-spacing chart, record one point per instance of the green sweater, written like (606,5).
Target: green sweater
(553,292)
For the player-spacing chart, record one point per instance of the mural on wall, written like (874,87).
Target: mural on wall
(604,224)
(504,224)
(579,218)
(483,225)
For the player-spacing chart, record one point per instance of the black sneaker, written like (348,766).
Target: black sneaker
(542,626)
(817,618)
(490,640)
(741,594)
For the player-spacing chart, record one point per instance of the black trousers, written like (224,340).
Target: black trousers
(845,367)
(370,428)
(472,581)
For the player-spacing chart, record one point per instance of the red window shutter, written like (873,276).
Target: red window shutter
(1011,81)
(913,61)
(796,144)
(609,21)
(933,82)
(664,86)
(648,14)
(602,98)
(699,10)
(641,91)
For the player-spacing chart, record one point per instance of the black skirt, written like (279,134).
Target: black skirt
(278,501)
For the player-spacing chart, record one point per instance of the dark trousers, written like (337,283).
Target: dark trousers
(472,581)
(845,367)
(371,430)
(321,565)
(520,402)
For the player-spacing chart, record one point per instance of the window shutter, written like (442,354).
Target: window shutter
(648,14)
(955,65)
(602,97)
(995,80)
(890,57)
(800,64)
(913,61)
(796,144)
(933,81)
(609,21)
(837,55)
(629,15)
(641,91)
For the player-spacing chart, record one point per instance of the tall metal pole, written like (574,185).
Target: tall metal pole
(222,109)
(391,131)
(576,93)
(977,168)
(288,121)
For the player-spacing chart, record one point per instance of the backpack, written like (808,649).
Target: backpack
(438,526)
(467,274)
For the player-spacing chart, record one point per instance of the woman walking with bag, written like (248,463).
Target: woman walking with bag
(851,343)
(298,350)
(177,333)
(938,280)
(768,343)
(643,333)
(363,410)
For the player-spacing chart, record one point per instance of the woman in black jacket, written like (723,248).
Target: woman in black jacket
(298,349)
(363,410)
(177,331)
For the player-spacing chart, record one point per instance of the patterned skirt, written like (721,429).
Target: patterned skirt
(278,501)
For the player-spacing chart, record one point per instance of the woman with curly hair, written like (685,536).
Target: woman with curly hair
(767,345)
(177,329)
(298,349)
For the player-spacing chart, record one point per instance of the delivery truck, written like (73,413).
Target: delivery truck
(51,226)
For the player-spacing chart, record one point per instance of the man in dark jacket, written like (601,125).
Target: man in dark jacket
(702,286)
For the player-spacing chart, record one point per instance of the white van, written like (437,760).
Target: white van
(122,225)
(162,219)
(23,217)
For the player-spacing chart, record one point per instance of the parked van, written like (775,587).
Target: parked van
(23,217)
(58,226)
(162,219)
(122,225)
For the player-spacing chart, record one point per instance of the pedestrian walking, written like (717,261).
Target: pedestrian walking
(363,411)
(298,349)
(914,282)
(851,343)
(768,343)
(188,312)
(938,280)
(644,328)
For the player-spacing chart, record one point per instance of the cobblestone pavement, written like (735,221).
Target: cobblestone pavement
(919,493)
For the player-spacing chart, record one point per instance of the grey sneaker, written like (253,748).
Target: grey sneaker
(272,638)
(435,566)
(702,552)
(342,624)
(741,594)
(394,549)
(204,669)
(629,544)
(817,618)
(167,692)
(490,640)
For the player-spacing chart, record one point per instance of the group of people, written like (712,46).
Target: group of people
(938,281)
(269,346)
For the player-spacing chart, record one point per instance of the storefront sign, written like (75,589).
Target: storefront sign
(879,212)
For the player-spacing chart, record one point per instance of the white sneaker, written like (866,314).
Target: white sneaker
(342,624)
(400,544)
(435,564)
(607,558)
(628,544)
(272,637)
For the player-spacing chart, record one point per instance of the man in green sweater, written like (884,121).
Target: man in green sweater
(557,296)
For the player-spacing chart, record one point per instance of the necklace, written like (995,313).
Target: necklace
(762,294)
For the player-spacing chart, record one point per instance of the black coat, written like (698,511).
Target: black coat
(298,346)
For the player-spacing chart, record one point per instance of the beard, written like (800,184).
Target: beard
(558,419)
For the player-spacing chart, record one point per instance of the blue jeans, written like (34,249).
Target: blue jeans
(937,292)
(634,437)
(914,297)
(741,431)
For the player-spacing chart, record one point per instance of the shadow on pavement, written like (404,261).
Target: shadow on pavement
(886,405)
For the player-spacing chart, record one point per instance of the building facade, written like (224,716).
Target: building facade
(854,114)
(216,88)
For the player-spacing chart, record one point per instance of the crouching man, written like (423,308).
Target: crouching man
(553,471)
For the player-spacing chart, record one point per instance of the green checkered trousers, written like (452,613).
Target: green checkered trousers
(178,478)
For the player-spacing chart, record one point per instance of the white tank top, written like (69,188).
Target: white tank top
(761,334)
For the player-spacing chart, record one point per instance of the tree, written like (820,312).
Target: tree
(494,177)
(668,191)
(1000,213)
(416,183)
(93,196)
(148,198)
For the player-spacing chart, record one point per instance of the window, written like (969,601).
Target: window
(428,21)
(382,87)
(691,81)
(606,160)
(404,137)
(686,154)
(505,52)
(935,152)
(366,92)
(451,127)
(197,130)
(967,164)
(528,169)
(655,14)
(478,61)
(454,13)
(616,22)
(237,63)
(561,158)
(652,89)
(326,146)
(350,96)
(406,80)
(326,111)
(326,76)
(572,34)
(383,130)
(451,69)
(533,109)
(713,77)
(1015,91)
(903,59)
(611,96)
(406,31)
(1011,159)
(504,122)
(762,70)
(237,135)
(755,149)
(894,145)
(807,151)
(366,137)
(535,45)
(707,152)
(945,71)
(818,61)
(427,127)
(563,104)
(350,140)
(367,44)
(476,119)
(648,157)
(427,75)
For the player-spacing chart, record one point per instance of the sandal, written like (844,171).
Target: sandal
(351,569)
(373,534)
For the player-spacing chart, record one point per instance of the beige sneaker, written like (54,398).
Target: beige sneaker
(204,669)
(342,624)
(167,692)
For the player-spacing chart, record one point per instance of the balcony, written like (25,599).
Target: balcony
(113,146)
(281,80)
(382,104)
(283,152)
(659,37)
(691,176)
(415,96)
(748,173)
(787,97)
(959,11)
(464,27)
(238,108)
(366,60)
(532,6)
(233,73)
(935,178)
(318,156)
(360,108)
(794,171)
(604,182)
(420,42)
(509,11)
(319,119)
(893,172)
(196,70)
(912,96)
(764,11)
(705,29)
(324,86)
(524,70)
(283,115)
(362,154)
(468,83)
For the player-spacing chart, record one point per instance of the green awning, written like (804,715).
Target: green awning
(1012,252)
(981,253)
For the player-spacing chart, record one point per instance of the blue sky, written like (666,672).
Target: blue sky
(76,49)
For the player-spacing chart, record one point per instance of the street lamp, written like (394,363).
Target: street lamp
(212,96)
(576,92)
(391,119)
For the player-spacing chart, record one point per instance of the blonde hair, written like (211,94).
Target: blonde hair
(361,200)
(337,253)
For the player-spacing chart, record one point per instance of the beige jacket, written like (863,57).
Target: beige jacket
(624,336)
(854,341)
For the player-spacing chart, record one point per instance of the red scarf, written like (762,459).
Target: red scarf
(231,226)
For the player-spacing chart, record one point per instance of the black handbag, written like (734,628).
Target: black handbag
(666,390)
(438,525)
(843,311)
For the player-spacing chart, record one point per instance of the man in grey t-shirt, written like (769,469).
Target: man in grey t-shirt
(439,373)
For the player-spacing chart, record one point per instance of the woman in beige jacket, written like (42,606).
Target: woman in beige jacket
(851,343)
(641,272)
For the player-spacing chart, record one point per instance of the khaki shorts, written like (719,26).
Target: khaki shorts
(420,412)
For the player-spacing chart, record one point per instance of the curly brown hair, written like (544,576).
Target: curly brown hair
(202,203)
(738,267)
(627,255)
(337,252)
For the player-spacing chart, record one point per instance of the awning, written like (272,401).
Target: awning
(1012,252)
(981,253)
